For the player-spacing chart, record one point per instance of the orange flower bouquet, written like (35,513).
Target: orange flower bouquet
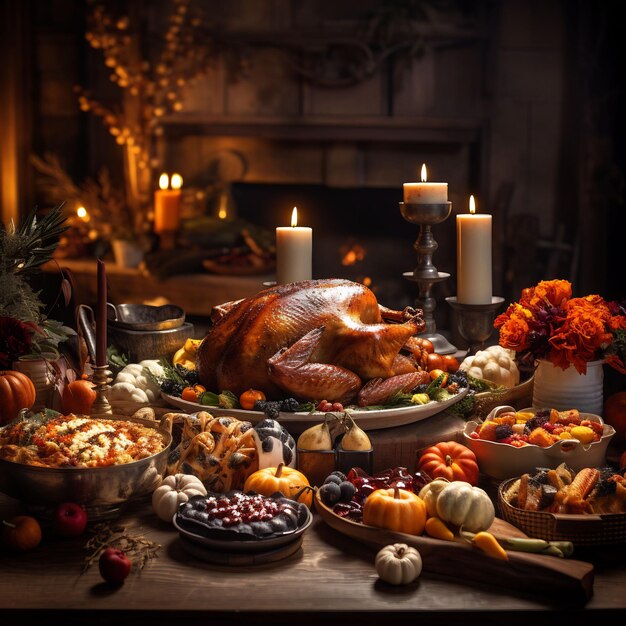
(547,323)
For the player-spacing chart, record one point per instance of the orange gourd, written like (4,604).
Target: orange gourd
(450,460)
(287,480)
(395,509)
(17,392)
(78,397)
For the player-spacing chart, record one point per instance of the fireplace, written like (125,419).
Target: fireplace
(358,234)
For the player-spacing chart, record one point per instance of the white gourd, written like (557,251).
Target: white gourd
(398,564)
(463,505)
(495,364)
(173,491)
(132,384)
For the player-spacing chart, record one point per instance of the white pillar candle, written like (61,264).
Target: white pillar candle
(473,254)
(424,192)
(294,252)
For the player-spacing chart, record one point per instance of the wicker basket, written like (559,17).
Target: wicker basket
(581,530)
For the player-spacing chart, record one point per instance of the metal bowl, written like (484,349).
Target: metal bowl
(102,490)
(145,316)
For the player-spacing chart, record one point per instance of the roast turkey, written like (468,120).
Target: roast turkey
(316,339)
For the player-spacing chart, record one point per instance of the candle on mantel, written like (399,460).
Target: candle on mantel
(473,256)
(294,252)
(101,316)
(167,204)
(425,192)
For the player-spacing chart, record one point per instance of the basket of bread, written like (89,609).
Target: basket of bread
(587,507)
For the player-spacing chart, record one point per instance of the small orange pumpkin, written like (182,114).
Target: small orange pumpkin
(395,509)
(287,480)
(17,392)
(450,460)
(78,397)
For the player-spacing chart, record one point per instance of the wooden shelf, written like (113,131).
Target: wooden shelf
(441,130)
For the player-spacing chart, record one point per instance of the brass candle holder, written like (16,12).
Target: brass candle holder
(426,274)
(475,321)
(101,380)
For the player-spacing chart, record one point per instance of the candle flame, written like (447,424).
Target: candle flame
(424,177)
(294,217)
(472,205)
(164,181)
(81,212)
(177,181)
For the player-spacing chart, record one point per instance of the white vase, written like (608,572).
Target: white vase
(41,372)
(126,253)
(555,388)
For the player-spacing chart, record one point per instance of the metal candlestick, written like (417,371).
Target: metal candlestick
(475,320)
(426,274)
(101,380)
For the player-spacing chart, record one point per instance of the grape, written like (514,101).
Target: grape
(347,490)
(330,493)
(333,479)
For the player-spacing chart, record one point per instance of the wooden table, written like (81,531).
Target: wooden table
(330,579)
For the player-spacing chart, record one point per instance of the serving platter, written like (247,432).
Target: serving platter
(536,573)
(296,422)
(245,545)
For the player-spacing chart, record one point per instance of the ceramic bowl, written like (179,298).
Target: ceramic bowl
(501,460)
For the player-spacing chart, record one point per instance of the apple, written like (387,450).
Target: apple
(114,565)
(70,520)
(21,533)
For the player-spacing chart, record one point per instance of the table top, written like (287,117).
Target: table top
(331,577)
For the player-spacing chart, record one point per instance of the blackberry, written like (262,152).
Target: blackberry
(535,422)
(420,389)
(459,377)
(289,405)
(272,408)
(259,405)
(171,387)
(503,431)
(191,377)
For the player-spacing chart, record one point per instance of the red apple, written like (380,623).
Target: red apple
(114,565)
(70,520)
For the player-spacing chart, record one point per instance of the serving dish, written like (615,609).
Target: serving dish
(246,545)
(297,422)
(459,560)
(501,460)
(101,489)
(581,529)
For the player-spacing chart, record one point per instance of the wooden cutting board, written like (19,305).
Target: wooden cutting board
(523,571)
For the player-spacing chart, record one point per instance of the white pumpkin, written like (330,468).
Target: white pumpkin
(463,505)
(430,492)
(398,564)
(173,491)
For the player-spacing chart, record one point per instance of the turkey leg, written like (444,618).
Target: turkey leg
(290,369)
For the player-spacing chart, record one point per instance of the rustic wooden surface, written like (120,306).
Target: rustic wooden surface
(331,578)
